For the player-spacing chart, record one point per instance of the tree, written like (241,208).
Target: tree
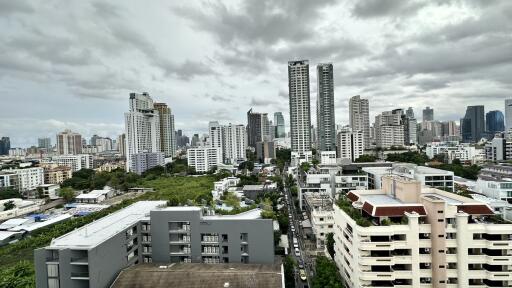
(366,158)
(9,205)
(315,162)
(40,192)
(305,166)
(408,157)
(289,181)
(327,275)
(9,193)
(289,271)
(68,194)
(330,244)
(231,200)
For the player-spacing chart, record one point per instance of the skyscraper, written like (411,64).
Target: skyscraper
(215,135)
(5,145)
(142,127)
(69,143)
(326,129)
(121,144)
(167,136)
(234,143)
(473,124)
(279,124)
(508,114)
(359,117)
(300,117)
(258,128)
(44,142)
(409,112)
(494,122)
(389,129)
(428,114)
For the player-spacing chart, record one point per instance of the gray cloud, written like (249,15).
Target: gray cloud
(379,8)
(8,7)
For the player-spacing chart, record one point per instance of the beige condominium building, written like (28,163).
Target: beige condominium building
(405,235)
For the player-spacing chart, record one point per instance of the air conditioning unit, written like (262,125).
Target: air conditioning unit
(427,250)
(427,265)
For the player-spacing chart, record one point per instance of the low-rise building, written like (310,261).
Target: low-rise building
(495,181)
(321,214)
(407,235)
(253,191)
(145,232)
(75,162)
(455,150)
(203,159)
(219,187)
(55,174)
(328,157)
(49,191)
(9,180)
(428,176)
(141,162)
(95,196)
(20,207)
(27,178)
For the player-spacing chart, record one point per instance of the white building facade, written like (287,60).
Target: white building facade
(202,159)
(350,144)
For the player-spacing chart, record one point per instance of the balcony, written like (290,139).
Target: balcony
(80,275)
(392,245)
(79,261)
(180,252)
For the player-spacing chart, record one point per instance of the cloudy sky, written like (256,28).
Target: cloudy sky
(71,64)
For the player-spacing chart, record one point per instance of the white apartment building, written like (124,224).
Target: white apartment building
(495,181)
(28,178)
(389,129)
(202,159)
(234,143)
(75,162)
(409,236)
(300,117)
(142,127)
(219,187)
(141,162)
(321,214)
(455,150)
(350,144)
(359,117)
(328,157)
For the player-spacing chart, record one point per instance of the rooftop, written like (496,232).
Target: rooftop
(248,215)
(196,275)
(93,234)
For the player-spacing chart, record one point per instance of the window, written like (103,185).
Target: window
(440,211)
(440,220)
(440,236)
(53,270)
(441,251)
(53,283)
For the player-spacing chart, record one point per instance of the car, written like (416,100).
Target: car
(301,264)
(293,229)
(302,274)
(297,252)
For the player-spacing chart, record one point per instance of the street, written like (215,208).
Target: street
(303,258)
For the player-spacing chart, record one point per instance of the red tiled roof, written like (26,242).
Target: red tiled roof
(368,208)
(475,209)
(353,197)
(396,211)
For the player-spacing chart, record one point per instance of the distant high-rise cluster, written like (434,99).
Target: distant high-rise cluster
(69,143)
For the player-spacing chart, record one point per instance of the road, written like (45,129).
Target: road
(303,258)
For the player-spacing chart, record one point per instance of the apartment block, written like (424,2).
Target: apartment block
(455,150)
(69,142)
(321,214)
(495,181)
(405,235)
(428,176)
(350,144)
(26,179)
(75,162)
(202,159)
(146,232)
(141,162)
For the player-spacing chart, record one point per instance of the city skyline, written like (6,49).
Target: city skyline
(92,84)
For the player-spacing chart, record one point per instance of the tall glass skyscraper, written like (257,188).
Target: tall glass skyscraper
(279,124)
(473,124)
(494,121)
(326,129)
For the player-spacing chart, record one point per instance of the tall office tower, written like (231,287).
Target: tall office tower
(215,135)
(300,117)
(326,130)
(167,137)
(449,128)
(473,124)
(234,143)
(350,144)
(44,142)
(409,112)
(121,144)
(508,114)
(93,139)
(279,123)
(69,143)
(359,117)
(5,145)
(428,114)
(410,135)
(142,127)
(494,121)
(194,142)
(258,128)
(389,129)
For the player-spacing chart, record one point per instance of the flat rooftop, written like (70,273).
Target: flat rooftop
(93,234)
(198,275)
(248,215)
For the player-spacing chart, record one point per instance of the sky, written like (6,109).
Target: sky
(72,64)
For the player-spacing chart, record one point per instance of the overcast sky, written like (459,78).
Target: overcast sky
(71,64)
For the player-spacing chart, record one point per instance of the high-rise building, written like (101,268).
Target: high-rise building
(215,135)
(389,129)
(508,114)
(142,127)
(494,121)
(359,117)
(44,143)
(5,146)
(473,124)
(203,159)
(93,139)
(409,112)
(300,110)
(279,124)
(121,144)
(167,137)
(410,129)
(428,114)
(195,140)
(326,129)
(265,151)
(234,143)
(141,162)
(450,128)
(69,143)
(350,144)
(181,139)
(258,128)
